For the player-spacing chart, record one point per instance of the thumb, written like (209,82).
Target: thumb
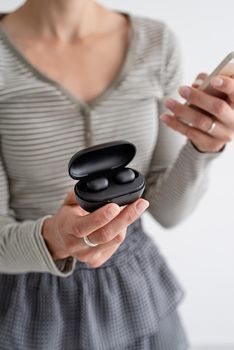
(199,79)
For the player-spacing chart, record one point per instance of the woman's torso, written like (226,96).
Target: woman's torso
(43,124)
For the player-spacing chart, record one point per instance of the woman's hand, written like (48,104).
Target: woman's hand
(200,123)
(64,232)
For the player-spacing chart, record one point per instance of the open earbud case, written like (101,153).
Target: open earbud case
(103,177)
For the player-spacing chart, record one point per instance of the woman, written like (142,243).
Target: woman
(74,74)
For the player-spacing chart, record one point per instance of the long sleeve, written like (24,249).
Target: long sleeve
(179,174)
(22,247)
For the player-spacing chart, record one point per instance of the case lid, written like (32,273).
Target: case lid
(104,156)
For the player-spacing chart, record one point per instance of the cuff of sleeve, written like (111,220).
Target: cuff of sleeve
(62,268)
(195,153)
(221,150)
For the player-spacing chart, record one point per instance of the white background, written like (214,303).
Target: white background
(201,249)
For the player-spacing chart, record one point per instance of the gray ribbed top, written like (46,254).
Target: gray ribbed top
(42,125)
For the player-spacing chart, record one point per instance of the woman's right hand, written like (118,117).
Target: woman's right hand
(107,226)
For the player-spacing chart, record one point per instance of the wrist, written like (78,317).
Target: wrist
(53,240)
(199,150)
(46,227)
(63,264)
(47,233)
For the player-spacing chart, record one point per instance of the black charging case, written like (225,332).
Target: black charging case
(105,160)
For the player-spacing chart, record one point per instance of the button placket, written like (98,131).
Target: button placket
(88,131)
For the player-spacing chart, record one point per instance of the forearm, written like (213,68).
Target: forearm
(175,193)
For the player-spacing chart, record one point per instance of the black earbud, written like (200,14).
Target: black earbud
(98,184)
(124,176)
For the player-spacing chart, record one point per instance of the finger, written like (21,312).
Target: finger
(129,214)
(203,141)
(224,84)
(213,105)
(96,256)
(198,120)
(199,80)
(202,76)
(84,225)
(70,198)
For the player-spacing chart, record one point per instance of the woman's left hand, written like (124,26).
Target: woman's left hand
(209,132)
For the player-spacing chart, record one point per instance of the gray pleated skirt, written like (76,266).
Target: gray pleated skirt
(128,303)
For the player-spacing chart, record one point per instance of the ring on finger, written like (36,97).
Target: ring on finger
(88,242)
(211,128)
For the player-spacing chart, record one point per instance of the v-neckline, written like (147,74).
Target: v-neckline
(126,64)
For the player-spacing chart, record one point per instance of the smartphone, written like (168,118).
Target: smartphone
(226,67)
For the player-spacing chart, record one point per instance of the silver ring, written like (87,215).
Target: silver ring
(87,242)
(211,127)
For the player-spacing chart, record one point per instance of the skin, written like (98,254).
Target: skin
(65,230)
(83,38)
(219,110)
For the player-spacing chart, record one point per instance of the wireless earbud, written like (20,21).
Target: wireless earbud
(124,176)
(99,184)
(121,177)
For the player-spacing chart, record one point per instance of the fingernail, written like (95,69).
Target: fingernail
(165,118)
(198,82)
(185,91)
(112,211)
(141,206)
(217,82)
(169,102)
